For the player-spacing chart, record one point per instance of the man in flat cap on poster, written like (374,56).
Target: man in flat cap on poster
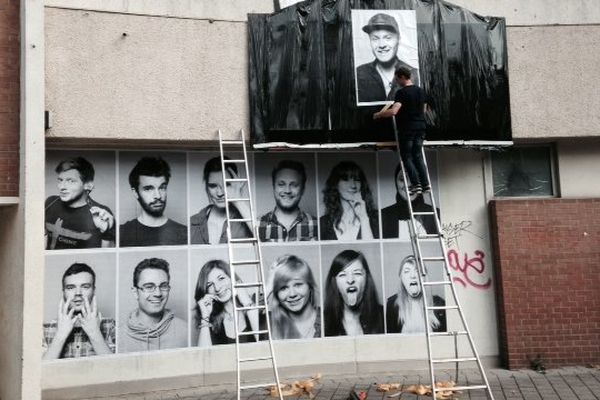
(375,80)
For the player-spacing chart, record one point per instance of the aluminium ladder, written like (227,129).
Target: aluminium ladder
(236,244)
(423,261)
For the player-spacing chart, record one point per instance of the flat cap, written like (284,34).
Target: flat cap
(381,21)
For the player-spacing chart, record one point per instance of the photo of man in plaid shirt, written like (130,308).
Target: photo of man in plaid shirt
(287,222)
(79,330)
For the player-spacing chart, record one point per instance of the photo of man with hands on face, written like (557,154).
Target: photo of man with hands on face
(79,329)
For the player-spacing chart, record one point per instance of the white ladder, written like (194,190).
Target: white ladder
(426,284)
(234,245)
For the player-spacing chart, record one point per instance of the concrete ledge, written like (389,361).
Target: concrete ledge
(8,201)
(226,381)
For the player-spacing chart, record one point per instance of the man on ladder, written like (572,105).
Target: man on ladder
(409,110)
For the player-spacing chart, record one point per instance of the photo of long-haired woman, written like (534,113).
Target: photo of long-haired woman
(292,281)
(352,280)
(405,311)
(349,197)
(208,225)
(213,301)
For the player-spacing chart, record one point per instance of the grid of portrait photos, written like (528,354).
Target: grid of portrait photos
(137,257)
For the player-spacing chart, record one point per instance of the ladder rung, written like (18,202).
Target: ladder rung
(449,360)
(240,220)
(260,332)
(443,308)
(434,283)
(250,308)
(459,388)
(248,284)
(257,386)
(256,359)
(434,258)
(236,180)
(455,333)
(239,199)
(242,240)
(234,161)
(232,141)
(423,213)
(429,236)
(244,262)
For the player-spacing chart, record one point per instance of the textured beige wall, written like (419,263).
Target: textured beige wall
(537,12)
(182,79)
(554,81)
(169,78)
(579,168)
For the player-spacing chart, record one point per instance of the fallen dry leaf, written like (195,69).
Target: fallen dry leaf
(296,388)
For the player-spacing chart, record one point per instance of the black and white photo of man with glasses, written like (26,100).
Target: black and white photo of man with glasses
(152,326)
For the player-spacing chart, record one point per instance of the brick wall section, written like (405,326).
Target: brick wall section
(547,265)
(9,97)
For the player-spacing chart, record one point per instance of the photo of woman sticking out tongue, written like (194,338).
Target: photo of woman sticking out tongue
(351,301)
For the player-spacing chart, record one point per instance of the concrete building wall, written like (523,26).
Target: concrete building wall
(182,78)
(21,234)
(579,168)
(177,77)
(9,99)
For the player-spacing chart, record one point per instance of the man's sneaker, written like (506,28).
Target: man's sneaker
(426,188)
(415,189)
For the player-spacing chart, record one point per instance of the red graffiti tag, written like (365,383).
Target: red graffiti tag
(474,265)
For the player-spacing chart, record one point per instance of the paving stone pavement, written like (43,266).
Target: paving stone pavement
(570,383)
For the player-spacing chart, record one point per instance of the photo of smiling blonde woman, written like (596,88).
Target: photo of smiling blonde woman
(404,311)
(293,299)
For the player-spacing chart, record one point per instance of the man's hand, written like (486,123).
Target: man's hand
(102,218)
(90,319)
(65,320)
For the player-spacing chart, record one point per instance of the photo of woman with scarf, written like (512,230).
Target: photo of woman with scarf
(214,311)
(293,301)
(405,311)
(350,211)
(352,305)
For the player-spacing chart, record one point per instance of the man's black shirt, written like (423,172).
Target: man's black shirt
(411,116)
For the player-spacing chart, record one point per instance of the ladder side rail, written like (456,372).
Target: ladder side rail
(232,269)
(267,315)
(452,286)
(418,258)
(260,274)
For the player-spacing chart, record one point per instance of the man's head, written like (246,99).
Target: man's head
(151,285)
(78,284)
(384,37)
(148,181)
(289,180)
(402,75)
(75,179)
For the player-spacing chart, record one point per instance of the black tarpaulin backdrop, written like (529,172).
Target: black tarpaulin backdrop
(302,74)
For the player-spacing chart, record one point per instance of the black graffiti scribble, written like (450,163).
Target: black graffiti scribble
(454,230)
(468,267)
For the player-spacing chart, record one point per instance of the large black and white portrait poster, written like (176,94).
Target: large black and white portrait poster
(153,308)
(293,290)
(404,293)
(212,297)
(138,261)
(352,281)
(383,40)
